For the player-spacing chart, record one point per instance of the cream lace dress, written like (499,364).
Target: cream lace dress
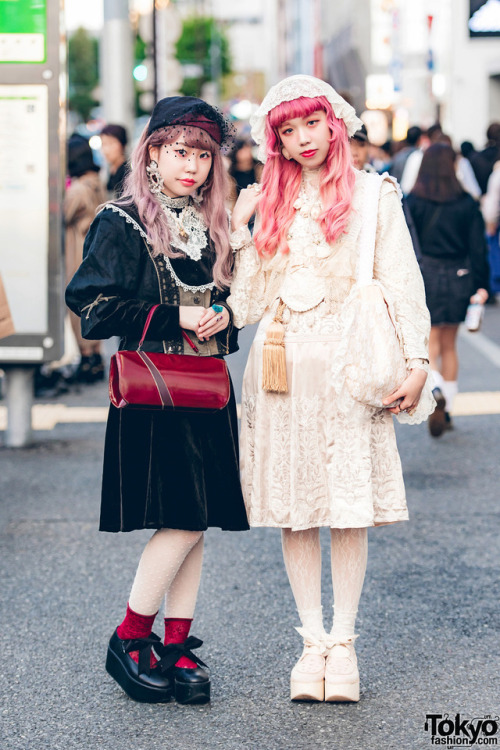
(304,462)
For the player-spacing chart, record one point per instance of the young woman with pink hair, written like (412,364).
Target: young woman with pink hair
(310,457)
(165,243)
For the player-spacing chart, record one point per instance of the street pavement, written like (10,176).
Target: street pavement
(428,621)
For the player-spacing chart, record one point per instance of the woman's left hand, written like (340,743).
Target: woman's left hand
(212,322)
(409,392)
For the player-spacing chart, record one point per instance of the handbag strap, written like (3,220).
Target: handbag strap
(146,326)
(373,184)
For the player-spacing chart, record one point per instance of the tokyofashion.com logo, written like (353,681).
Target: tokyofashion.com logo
(456,731)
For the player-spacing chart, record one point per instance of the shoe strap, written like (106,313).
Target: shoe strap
(172,652)
(143,646)
(331,641)
(312,640)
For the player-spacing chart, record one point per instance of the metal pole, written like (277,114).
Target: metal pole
(19,402)
(117,64)
(155,51)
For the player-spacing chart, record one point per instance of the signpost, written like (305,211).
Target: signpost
(32,158)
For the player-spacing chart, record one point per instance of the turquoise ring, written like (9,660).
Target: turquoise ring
(217,308)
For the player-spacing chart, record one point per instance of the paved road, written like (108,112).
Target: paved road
(429,616)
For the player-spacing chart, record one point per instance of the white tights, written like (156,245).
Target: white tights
(170,567)
(302,556)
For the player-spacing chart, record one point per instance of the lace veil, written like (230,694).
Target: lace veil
(293,88)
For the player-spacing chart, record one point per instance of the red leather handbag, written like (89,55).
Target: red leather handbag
(150,380)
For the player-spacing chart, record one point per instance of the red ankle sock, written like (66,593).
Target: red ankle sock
(176,631)
(136,626)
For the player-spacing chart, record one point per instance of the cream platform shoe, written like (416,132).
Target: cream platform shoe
(307,681)
(341,673)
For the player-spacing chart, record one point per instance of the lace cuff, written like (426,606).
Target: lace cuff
(419,364)
(240,238)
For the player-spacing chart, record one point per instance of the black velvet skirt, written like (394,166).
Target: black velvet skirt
(176,470)
(448,288)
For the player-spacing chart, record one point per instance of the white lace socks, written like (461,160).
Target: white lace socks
(349,558)
(302,556)
(170,566)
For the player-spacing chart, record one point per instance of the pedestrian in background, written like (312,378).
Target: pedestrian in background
(412,165)
(413,138)
(113,144)
(491,152)
(243,168)
(452,254)
(306,463)
(166,243)
(83,195)
(360,148)
(491,215)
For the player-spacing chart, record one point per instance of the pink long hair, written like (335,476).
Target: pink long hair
(282,178)
(213,191)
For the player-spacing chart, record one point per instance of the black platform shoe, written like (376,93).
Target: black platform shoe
(190,685)
(138,680)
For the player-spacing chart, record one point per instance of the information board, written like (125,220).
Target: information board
(24,204)
(32,167)
(23,31)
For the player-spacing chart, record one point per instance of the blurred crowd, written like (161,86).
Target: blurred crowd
(452,205)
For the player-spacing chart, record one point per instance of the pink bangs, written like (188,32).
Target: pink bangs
(301,107)
(281,177)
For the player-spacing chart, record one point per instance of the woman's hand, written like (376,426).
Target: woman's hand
(480,297)
(212,322)
(245,206)
(409,392)
(190,316)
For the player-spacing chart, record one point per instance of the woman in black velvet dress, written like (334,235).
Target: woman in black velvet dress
(166,243)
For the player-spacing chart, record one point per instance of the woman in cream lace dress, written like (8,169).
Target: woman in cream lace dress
(305,462)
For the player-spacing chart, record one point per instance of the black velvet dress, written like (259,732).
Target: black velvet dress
(161,469)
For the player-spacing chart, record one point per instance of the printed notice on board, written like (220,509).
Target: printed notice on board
(24,204)
(23,31)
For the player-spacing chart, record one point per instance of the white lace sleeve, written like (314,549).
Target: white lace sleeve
(247,297)
(419,364)
(240,238)
(397,269)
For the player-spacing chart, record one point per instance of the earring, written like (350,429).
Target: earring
(285,153)
(155,180)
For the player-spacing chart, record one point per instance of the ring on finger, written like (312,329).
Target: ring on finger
(219,317)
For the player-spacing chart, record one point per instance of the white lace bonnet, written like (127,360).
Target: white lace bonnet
(293,88)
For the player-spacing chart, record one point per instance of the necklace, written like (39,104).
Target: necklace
(308,202)
(168,202)
(187,229)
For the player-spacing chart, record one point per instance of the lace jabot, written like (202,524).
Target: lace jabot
(295,87)
(186,225)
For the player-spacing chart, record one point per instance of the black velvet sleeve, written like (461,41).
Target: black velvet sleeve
(478,249)
(108,290)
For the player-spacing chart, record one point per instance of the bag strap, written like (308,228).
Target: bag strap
(368,232)
(146,326)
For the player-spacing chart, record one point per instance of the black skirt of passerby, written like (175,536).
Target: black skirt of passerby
(453,256)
